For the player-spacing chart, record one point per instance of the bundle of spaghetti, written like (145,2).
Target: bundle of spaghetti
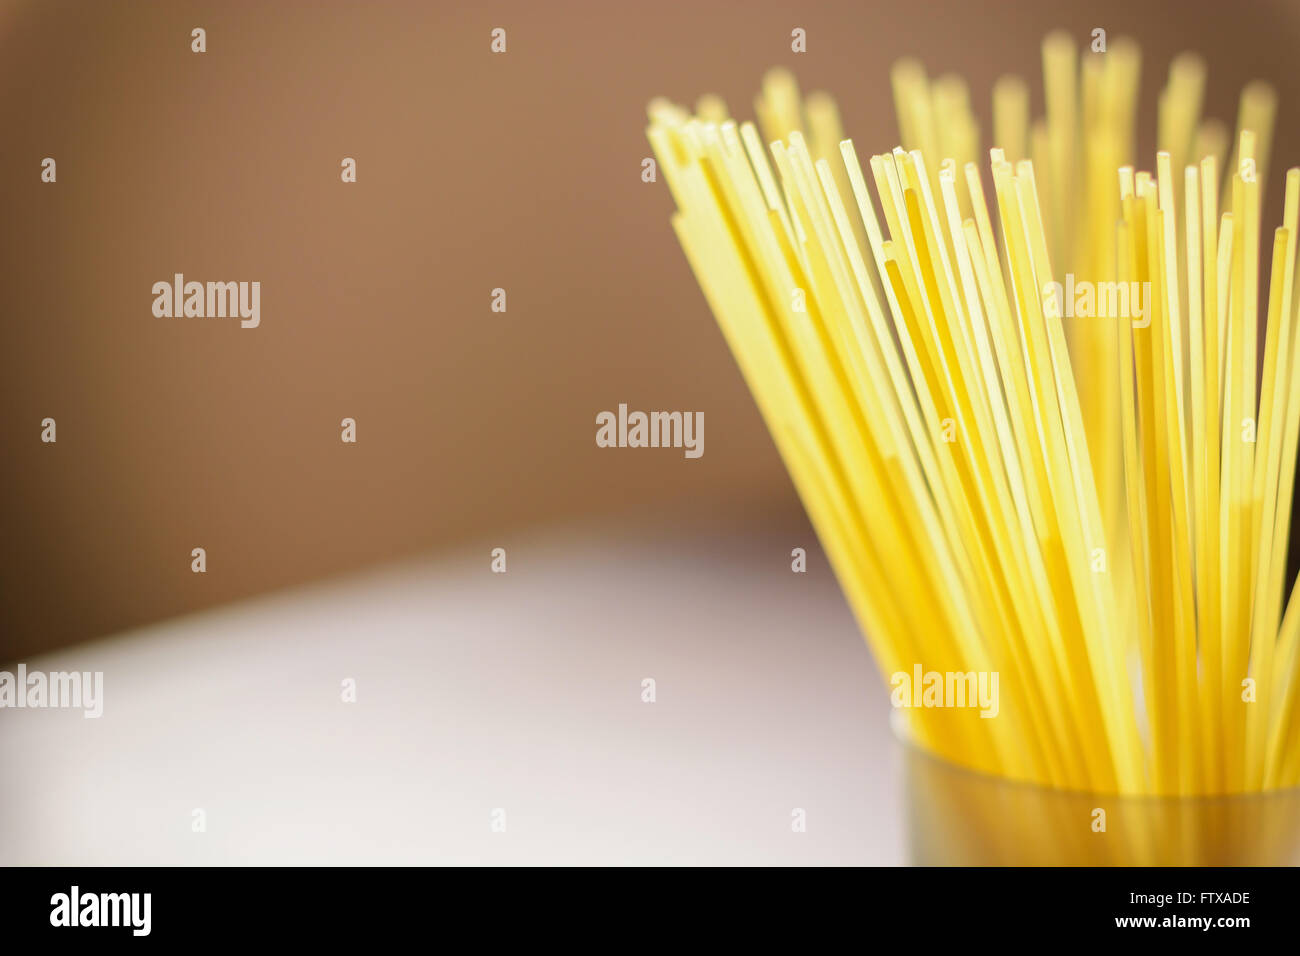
(1095,509)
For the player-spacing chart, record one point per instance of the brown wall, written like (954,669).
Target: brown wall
(475,171)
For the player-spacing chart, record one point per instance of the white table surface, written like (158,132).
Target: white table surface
(478,691)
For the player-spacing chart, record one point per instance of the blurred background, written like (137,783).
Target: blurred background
(475,429)
(474,171)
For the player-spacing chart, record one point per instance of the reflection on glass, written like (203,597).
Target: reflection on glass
(957,817)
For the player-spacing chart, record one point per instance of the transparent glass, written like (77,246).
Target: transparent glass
(959,817)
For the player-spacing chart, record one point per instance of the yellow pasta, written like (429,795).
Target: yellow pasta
(1027,407)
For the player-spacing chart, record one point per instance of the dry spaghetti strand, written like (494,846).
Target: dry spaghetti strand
(1022,407)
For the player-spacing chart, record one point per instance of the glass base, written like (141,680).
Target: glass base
(959,817)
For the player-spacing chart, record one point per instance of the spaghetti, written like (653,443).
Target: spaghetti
(1031,424)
